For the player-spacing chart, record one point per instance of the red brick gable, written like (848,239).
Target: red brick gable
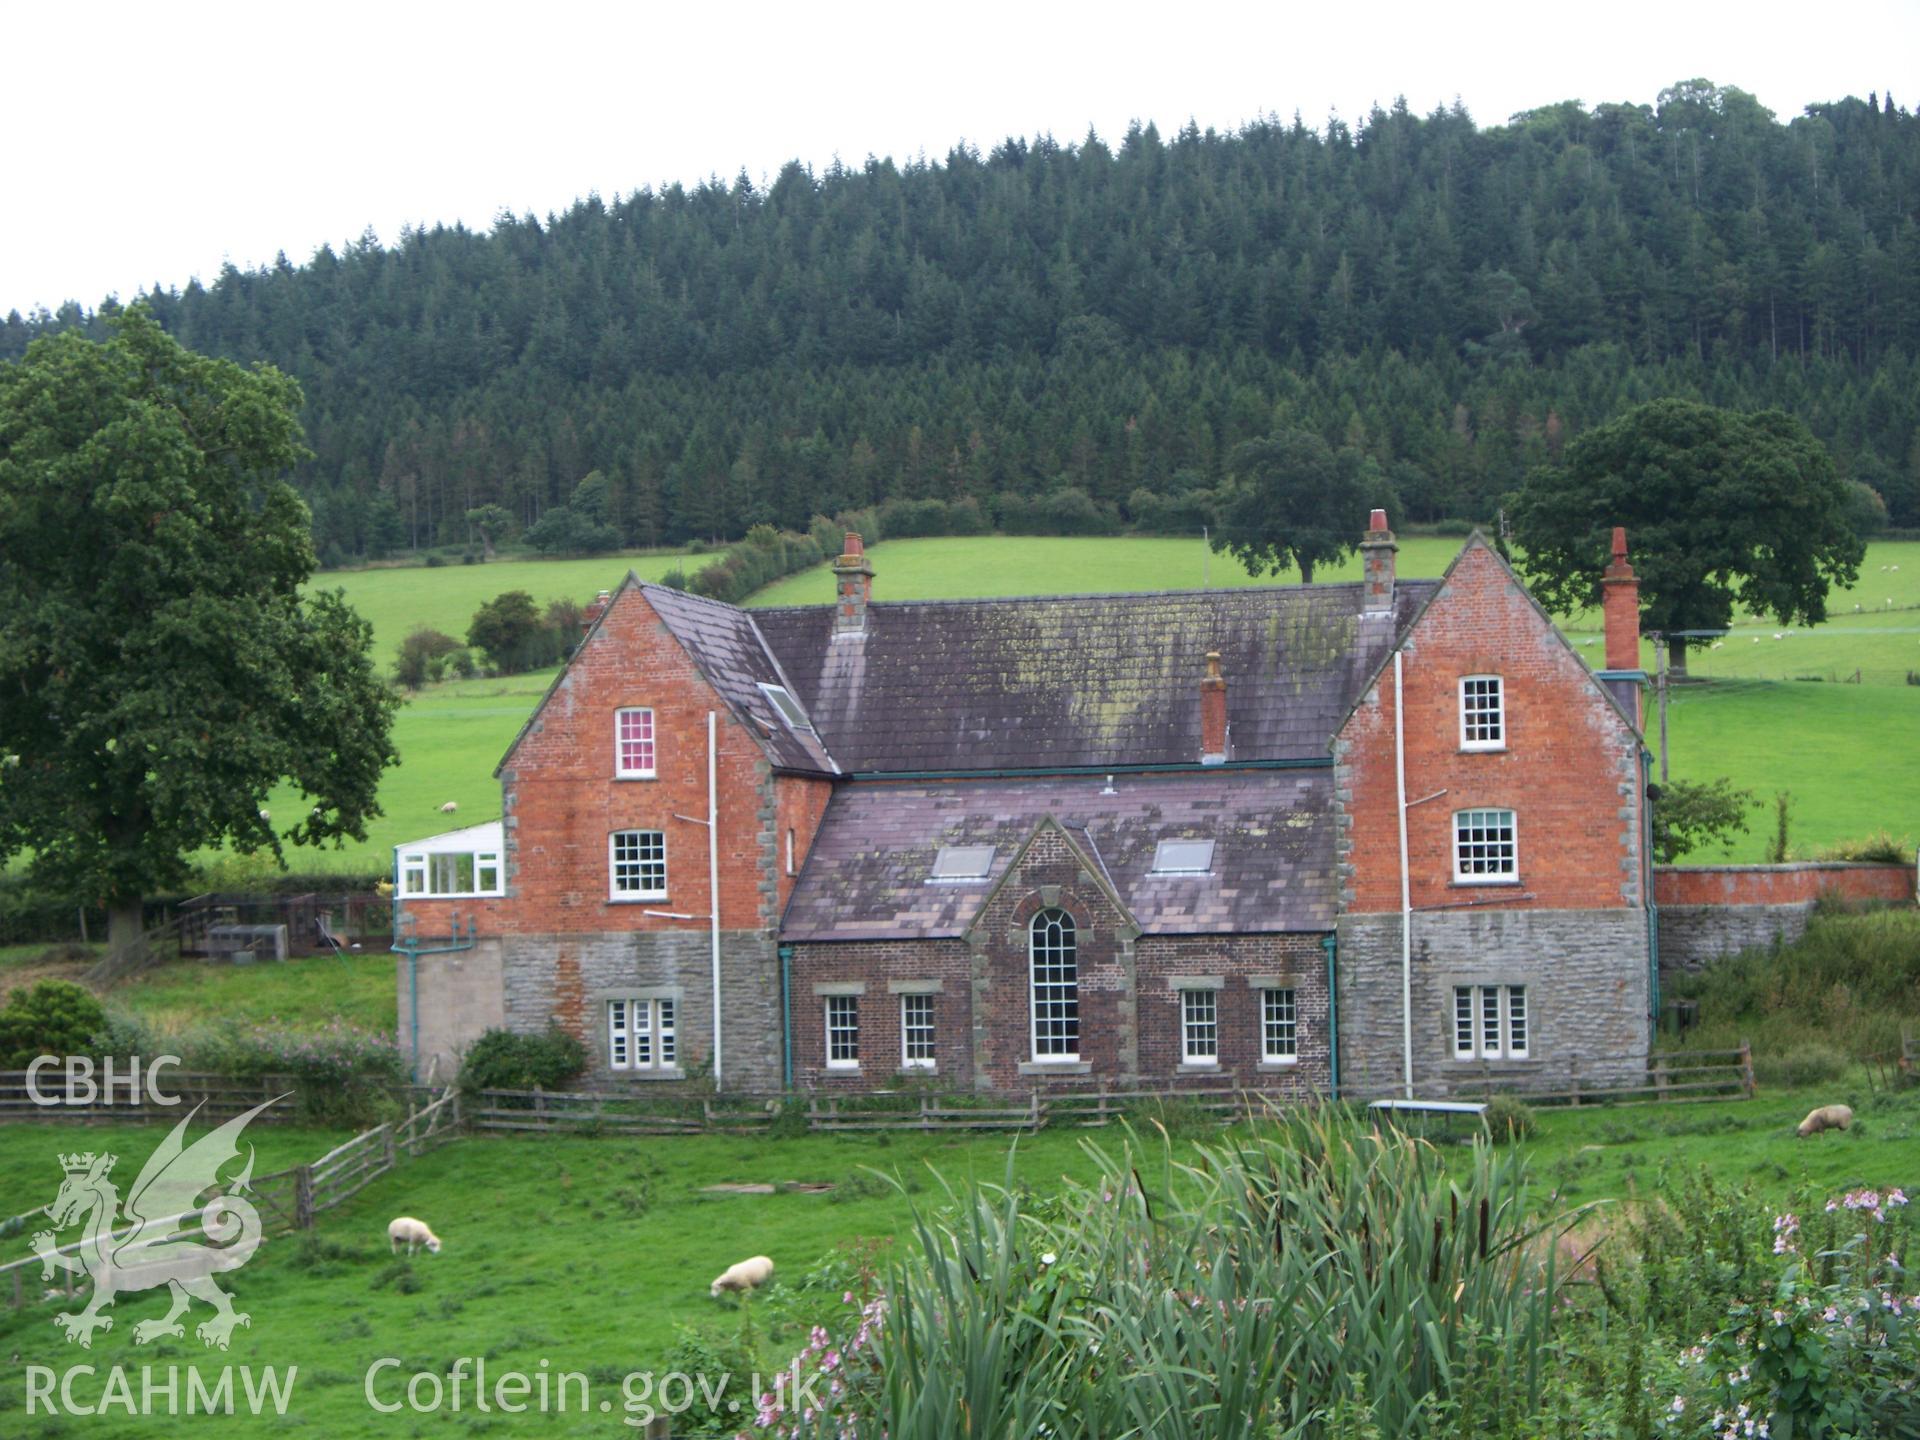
(1570,769)
(562,800)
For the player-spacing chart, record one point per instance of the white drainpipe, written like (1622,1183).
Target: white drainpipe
(1406,890)
(713,878)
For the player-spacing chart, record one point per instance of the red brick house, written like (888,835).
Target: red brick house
(1301,837)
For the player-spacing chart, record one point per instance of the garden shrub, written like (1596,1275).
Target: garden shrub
(1509,1119)
(342,1075)
(1803,1065)
(53,1017)
(504,1060)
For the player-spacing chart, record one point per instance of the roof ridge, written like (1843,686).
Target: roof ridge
(1223,590)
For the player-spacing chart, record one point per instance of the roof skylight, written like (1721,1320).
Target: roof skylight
(962,862)
(1183,857)
(788,707)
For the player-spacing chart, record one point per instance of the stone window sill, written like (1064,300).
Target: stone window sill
(637,900)
(1197,1067)
(1274,1066)
(1506,1062)
(1462,883)
(651,1076)
(1056,1067)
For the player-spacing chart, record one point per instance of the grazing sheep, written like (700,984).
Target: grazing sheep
(266,814)
(747,1275)
(1827,1117)
(449,807)
(413,1234)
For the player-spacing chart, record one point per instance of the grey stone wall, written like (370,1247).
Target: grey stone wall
(1586,978)
(566,980)
(1692,936)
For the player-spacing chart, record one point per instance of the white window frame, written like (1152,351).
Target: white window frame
(422,871)
(1463,822)
(1059,994)
(642,1034)
(614,892)
(1279,1025)
(1491,1022)
(1477,715)
(621,770)
(917,1029)
(842,1015)
(790,869)
(1200,1027)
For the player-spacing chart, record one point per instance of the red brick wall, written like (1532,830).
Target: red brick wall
(1780,884)
(799,803)
(1296,962)
(1570,771)
(875,963)
(562,802)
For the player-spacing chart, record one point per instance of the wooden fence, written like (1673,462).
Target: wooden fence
(1674,1077)
(288,1200)
(91,1100)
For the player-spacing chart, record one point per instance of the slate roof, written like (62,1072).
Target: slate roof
(947,687)
(727,646)
(1273,861)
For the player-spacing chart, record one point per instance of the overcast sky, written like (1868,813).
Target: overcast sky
(151,143)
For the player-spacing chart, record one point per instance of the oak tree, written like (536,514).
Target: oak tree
(1721,508)
(160,669)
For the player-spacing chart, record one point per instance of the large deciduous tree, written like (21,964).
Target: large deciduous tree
(1720,506)
(1293,500)
(160,670)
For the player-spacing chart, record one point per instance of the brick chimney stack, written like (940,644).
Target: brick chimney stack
(595,609)
(1213,713)
(1620,604)
(1376,554)
(1620,608)
(855,574)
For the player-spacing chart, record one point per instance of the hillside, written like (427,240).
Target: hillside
(1456,300)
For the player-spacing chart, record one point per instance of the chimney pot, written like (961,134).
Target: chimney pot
(1377,520)
(595,609)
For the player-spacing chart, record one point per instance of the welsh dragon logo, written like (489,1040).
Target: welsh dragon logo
(149,1248)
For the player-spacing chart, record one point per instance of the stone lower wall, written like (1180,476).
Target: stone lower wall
(1586,978)
(566,980)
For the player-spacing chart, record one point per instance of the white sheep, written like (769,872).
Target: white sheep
(1827,1117)
(449,807)
(747,1275)
(265,814)
(413,1234)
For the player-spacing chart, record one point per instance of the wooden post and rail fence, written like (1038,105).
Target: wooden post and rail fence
(287,1200)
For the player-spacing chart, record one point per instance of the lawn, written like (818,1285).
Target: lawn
(1849,753)
(594,1254)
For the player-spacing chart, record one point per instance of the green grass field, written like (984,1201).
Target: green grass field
(443,597)
(594,1254)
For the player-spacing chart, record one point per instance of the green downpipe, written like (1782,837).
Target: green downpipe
(1653,909)
(1331,943)
(786,1016)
